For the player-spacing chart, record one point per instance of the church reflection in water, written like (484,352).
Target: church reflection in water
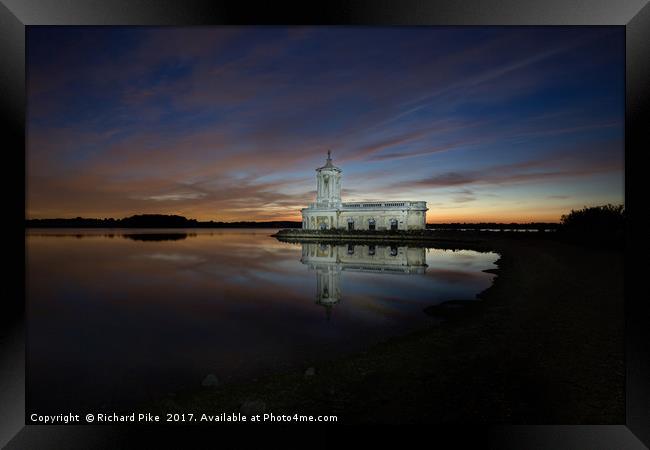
(329,261)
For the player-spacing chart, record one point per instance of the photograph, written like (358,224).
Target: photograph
(389,224)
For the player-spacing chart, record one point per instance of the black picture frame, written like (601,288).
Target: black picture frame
(16,15)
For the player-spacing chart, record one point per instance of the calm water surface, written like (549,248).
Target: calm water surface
(118,317)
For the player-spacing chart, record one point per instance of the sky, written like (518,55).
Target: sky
(504,124)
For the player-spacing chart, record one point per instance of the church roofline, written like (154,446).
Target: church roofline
(371,206)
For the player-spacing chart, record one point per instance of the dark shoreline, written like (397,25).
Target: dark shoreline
(425,234)
(545,345)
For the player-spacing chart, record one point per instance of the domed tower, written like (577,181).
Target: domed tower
(328,184)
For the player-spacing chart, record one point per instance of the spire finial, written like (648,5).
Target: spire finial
(328,162)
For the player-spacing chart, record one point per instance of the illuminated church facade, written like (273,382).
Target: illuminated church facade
(329,212)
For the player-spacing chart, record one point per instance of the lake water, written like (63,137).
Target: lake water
(118,317)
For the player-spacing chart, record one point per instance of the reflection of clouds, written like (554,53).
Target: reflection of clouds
(462,260)
(242,288)
(456,276)
(175,257)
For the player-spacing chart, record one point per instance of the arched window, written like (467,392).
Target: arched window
(371,224)
(393,224)
(350,224)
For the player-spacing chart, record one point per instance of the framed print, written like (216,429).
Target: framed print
(355,213)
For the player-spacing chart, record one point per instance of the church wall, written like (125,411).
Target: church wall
(382,219)
(406,219)
(416,220)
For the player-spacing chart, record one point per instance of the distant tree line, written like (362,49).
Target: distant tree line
(540,226)
(152,221)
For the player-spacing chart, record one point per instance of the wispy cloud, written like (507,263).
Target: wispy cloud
(506,174)
(173,197)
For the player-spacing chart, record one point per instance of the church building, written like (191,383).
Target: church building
(329,212)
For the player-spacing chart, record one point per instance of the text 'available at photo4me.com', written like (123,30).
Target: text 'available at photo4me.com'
(144,417)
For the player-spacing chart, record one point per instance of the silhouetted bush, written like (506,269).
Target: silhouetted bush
(599,219)
(604,224)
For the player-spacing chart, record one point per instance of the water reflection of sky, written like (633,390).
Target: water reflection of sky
(114,318)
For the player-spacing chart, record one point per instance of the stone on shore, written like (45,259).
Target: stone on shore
(210,380)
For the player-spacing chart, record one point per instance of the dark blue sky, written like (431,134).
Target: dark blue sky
(229,123)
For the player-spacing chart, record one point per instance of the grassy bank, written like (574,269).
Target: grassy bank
(545,345)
